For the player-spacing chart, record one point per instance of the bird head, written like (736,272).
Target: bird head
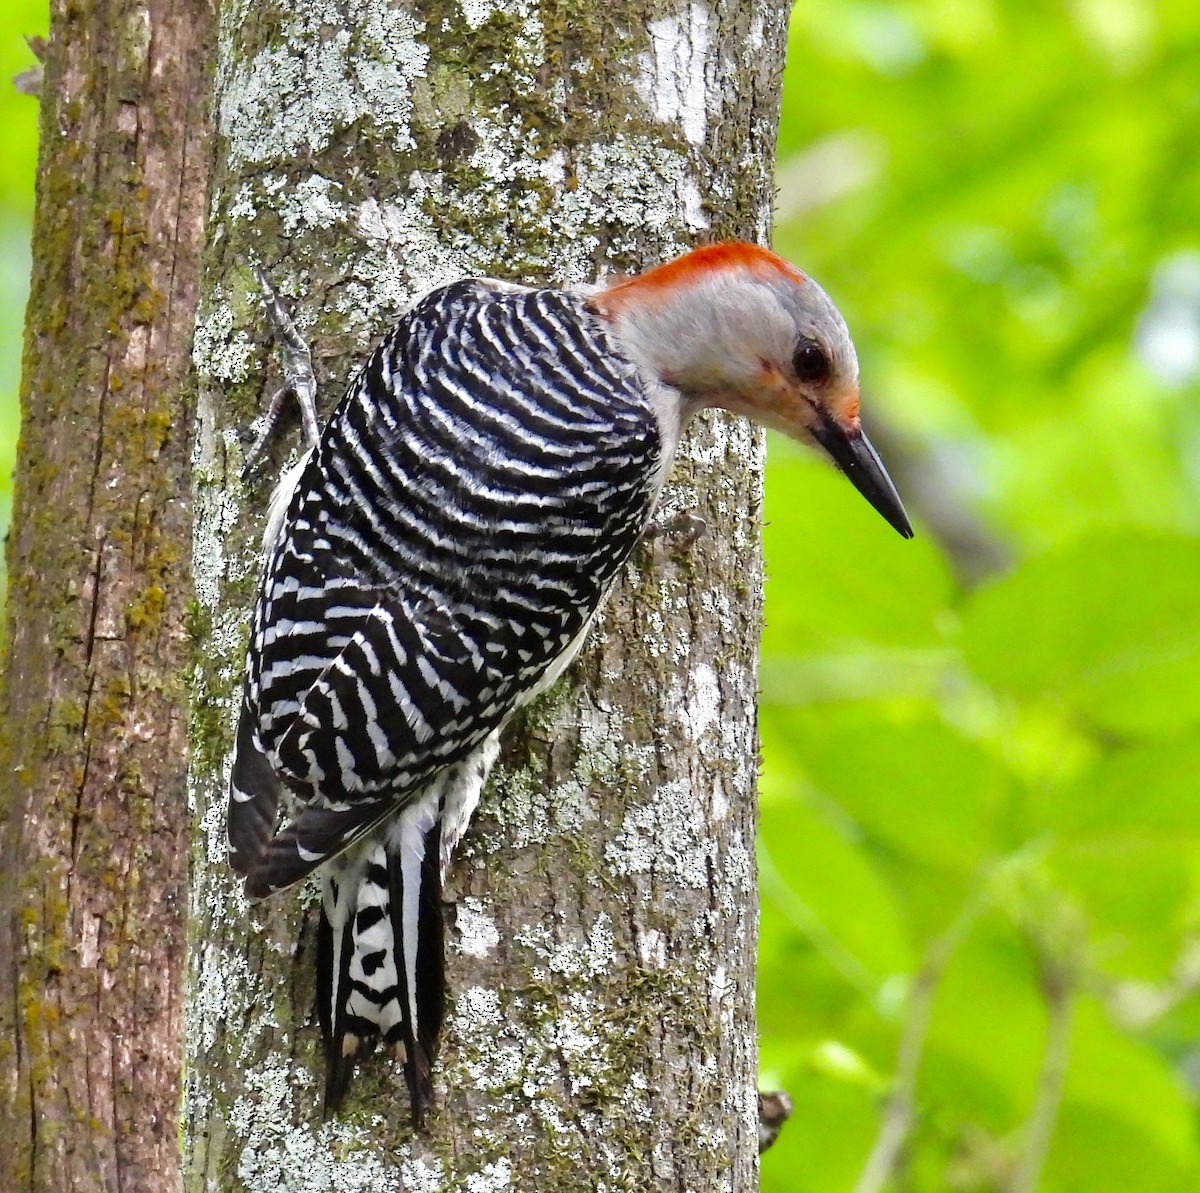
(733,325)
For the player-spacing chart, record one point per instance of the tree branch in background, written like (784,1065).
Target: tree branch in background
(934,478)
(899,1110)
(1059,981)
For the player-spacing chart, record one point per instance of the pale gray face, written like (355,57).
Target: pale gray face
(823,359)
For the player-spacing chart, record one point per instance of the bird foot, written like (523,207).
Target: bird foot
(684,530)
(298,376)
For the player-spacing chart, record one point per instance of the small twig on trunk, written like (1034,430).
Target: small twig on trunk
(774,1109)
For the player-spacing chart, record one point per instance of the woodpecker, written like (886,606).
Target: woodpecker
(435,560)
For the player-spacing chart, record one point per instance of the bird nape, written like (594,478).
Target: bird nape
(434,562)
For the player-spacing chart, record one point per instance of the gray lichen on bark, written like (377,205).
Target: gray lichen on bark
(602,909)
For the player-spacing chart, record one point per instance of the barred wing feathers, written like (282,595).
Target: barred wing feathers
(450,537)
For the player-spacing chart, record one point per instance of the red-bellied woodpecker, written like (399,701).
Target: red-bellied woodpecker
(435,561)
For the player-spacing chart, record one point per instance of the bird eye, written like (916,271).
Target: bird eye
(810,362)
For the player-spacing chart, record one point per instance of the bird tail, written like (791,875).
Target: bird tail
(380,965)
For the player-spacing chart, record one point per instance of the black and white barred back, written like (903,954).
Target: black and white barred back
(442,554)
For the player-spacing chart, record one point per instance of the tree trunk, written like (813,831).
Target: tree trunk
(602,911)
(93,819)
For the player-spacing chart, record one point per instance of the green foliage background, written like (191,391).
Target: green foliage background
(981,789)
(18,157)
(980,844)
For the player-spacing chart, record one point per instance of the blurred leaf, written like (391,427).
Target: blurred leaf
(1107,625)
(986,1033)
(1112,1075)
(911,784)
(1146,789)
(1138,897)
(830,891)
(1097,1152)
(838,574)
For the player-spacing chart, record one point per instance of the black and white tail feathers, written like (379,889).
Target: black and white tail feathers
(380,944)
(380,967)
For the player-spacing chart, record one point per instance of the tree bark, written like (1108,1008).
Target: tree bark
(602,911)
(93,819)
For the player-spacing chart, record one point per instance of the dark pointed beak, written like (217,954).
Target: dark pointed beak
(852,452)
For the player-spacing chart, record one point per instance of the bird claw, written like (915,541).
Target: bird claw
(298,376)
(684,529)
